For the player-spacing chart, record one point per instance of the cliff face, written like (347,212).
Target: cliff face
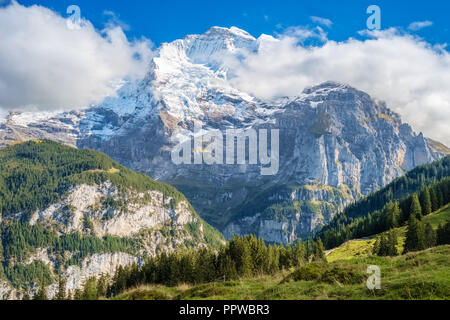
(146,217)
(336,143)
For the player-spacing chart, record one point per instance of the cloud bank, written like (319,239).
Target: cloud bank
(412,76)
(44,65)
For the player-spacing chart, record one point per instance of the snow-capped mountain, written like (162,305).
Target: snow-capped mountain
(336,143)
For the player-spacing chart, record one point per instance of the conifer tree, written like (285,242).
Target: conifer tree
(425,201)
(443,234)
(78,295)
(90,289)
(386,244)
(430,236)
(61,294)
(42,292)
(377,246)
(392,213)
(440,198)
(273,260)
(319,254)
(299,254)
(415,209)
(415,235)
(240,253)
(102,285)
(435,203)
(392,239)
(227,267)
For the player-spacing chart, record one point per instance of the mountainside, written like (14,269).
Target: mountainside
(336,143)
(77,214)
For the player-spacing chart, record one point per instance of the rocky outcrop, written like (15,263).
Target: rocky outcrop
(153,220)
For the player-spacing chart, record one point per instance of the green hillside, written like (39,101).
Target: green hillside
(37,174)
(371,215)
(363,247)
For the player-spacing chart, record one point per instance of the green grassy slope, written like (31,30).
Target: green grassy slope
(417,275)
(363,247)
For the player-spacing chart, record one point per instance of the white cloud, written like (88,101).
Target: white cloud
(323,21)
(420,25)
(412,76)
(301,34)
(44,65)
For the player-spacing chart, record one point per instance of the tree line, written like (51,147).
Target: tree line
(392,215)
(240,257)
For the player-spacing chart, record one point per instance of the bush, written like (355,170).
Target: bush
(323,272)
(342,276)
(309,272)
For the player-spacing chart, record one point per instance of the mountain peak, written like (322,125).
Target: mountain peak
(233,31)
(327,85)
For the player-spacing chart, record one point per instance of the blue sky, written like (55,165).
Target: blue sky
(165,21)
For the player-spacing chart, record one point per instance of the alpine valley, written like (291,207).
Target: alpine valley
(337,144)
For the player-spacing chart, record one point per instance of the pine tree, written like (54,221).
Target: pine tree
(392,238)
(90,289)
(415,235)
(415,209)
(240,253)
(430,236)
(227,267)
(273,260)
(102,285)
(42,292)
(285,257)
(78,295)
(443,234)
(425,201)
(259,254)
(319,254)
(377,246)
(440,198)
(386,244)
(435,203)
(383,248)
(392,214)
(299,254)
(26,296)
(61,294)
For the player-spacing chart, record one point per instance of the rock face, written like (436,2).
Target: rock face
(336,143)
(151,219)
(120,213)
